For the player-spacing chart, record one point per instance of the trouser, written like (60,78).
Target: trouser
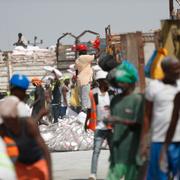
(49,116)
(76,109)
(173,161)
(63,111)
(84,97)
(35,113)
(99,137)
(55,112)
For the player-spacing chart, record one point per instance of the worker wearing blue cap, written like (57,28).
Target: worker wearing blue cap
(18,86)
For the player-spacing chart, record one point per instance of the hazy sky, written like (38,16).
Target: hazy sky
(48,19)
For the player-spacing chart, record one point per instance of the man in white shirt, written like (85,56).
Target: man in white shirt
(159,106)
(102,131)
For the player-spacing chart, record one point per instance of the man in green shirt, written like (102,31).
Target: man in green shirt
(126,116)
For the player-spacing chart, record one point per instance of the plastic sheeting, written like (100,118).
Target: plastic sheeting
(68,135)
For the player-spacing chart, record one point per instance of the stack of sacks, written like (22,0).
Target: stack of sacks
(67,135)
(32,52)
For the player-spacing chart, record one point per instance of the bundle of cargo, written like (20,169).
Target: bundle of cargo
(29,61)
(68,135)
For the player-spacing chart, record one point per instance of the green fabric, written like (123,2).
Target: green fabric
(5,162)
(126,139)
(126,73)
(129,172)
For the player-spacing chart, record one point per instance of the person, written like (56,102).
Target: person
(159,106)
(39,98)
(84,77)
(126,117)
(96,43)
(102,131)
(19,84)
(48,99)
(65,96)
(21,41)
(7,170)
(34,159)
(74,99)
(56,98)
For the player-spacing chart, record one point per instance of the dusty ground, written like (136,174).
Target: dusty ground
(76,165)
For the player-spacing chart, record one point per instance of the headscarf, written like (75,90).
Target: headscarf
(8,107)
(126,72)
(12,107)
(36,81)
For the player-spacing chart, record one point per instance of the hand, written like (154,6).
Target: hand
(43,111)
(144,150)
(163,159)
(112,119)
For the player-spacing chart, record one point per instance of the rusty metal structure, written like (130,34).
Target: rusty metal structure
(172,13)
(129,46)
(64,53)
(60,38)
(170,36)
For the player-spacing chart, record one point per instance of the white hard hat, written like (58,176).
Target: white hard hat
(100,75)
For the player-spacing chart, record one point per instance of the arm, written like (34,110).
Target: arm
(171,130)
(87,119)
(147,118)
(42,112)
(55,75)
(64,92)
(174,120)
(117,120)
(146,126)
(35,102)
(34,132)
(38,97)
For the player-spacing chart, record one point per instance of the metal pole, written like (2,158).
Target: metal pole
(171,8)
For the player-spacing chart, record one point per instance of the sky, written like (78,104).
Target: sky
(48,19)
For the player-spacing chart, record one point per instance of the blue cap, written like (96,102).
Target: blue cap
(20,81)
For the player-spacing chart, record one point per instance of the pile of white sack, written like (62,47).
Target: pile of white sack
(68,135)
(19,50)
